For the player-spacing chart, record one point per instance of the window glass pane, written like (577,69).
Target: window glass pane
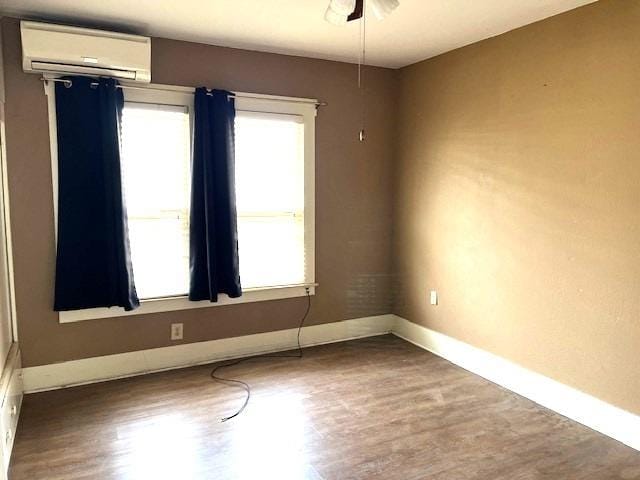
(156,171)
(270,199)
(269,162)
(271,250)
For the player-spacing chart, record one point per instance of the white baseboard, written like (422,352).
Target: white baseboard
(10,404)
(585,409)
(109,367)
(567,401)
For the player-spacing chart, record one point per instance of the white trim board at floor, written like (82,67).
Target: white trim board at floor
(109,367)
(567,401)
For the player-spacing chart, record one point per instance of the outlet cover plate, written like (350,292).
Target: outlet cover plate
(433,297)
(176,331)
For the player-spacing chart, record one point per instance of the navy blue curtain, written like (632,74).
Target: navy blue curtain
(214,266)
(93,266)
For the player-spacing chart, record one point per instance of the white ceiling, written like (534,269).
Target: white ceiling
(418,29)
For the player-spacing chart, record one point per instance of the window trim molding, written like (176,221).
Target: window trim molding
(172,304)
(251,102)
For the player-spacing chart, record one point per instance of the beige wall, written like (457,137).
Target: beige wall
(518,197)
(353,202)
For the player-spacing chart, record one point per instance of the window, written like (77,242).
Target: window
(270,198)
(274,188)
(155,162)
(275,191)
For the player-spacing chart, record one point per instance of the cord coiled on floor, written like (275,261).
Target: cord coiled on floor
(245,385)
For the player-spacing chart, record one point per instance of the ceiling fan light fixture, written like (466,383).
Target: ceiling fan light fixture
(383,8)
(339,10)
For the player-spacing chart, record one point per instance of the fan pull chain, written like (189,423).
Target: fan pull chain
(361,61)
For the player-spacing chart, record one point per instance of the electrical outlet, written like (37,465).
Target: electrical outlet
(434,297)
(176,331)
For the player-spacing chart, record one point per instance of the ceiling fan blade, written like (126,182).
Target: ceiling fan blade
(357,12)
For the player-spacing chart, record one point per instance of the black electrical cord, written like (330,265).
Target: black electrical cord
(245,385)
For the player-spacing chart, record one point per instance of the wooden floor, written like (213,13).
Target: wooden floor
(377,408)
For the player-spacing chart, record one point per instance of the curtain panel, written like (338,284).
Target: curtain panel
(214,265)
(93,264)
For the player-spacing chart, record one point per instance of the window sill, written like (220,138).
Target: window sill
(171,304)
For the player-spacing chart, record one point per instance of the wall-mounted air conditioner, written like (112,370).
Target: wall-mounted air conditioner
(59,49)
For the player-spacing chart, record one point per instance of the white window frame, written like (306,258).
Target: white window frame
(173,95)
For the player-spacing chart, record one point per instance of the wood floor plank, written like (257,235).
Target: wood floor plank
(376,408)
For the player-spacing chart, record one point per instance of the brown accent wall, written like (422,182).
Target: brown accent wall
(518,197)
(353,201)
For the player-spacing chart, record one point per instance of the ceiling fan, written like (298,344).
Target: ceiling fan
(340,12)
